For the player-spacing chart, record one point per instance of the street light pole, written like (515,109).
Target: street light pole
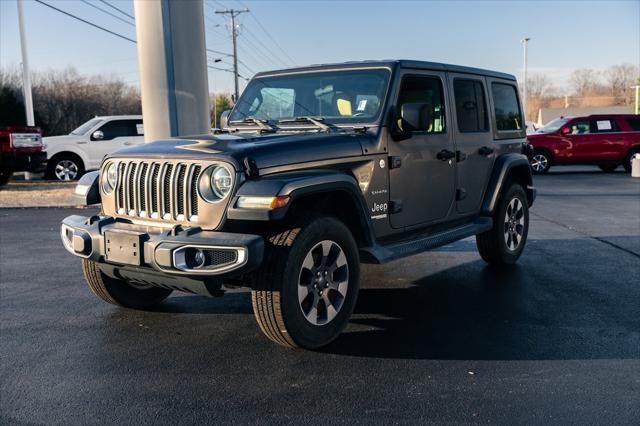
(26,77)
(525,41)
(234,34)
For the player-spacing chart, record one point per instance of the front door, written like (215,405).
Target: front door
(117,134)
(422,182)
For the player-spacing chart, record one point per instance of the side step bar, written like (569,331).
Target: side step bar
(398,250)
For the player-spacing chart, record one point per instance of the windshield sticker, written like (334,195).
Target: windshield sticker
(140,129)
(362,105)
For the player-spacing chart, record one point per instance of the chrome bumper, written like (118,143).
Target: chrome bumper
(119,242)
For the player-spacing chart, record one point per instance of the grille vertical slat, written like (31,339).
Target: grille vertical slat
(194,190)
(165,191)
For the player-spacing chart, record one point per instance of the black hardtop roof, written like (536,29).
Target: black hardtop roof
(392,63)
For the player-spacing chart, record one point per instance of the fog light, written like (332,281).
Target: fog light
(199,258)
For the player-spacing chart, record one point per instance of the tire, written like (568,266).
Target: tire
(504,243)
(284,309)
(5,177)
(628,157)
(608,168)
(118,292)
(65,167)
(540,162)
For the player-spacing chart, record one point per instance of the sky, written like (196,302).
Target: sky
(565,35)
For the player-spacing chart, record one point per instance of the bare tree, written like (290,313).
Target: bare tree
(540,92)
(619,80)
(584,81)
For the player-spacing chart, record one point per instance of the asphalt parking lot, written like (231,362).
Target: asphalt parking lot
(436,338)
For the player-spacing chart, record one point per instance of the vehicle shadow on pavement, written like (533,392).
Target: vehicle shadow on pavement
(476,312)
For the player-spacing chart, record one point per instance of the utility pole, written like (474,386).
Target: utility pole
(26,77)
(525,41)
(234,35)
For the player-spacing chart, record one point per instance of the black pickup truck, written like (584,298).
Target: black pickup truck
(315,171)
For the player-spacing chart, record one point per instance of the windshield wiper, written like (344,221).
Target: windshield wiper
(317,121)
(263,124)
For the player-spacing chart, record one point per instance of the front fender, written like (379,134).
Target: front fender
(506,167)
(293,185)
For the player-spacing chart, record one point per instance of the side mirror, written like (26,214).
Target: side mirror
(416,116)
(224,117)
(565,131)
(97,135)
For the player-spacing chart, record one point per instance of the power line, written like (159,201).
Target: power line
(255,18)
(86,22)
(108,13)
(117,8)
(257,40)
(219,52)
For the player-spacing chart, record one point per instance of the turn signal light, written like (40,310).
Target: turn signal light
(264,203)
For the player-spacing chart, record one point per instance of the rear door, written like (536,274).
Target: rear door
(608,140)
(474,140)
(422,186)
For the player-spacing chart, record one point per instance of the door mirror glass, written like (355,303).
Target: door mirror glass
(416,116)
(97,135)
(565,131)
(224,117)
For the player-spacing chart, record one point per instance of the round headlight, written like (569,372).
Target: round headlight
(109,178)
(221,181)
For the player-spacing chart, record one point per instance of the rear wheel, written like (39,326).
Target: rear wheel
(119,292)
(607,168)
(504,243)
(306,291)
(627,159)
(65,167)
(540,162)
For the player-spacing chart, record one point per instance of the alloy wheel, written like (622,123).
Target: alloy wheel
(539,163)
(514,224)
(66,170)
(323,282)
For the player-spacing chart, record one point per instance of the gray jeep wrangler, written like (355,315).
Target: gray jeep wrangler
(316,170)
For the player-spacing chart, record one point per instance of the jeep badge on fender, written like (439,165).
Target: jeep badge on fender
(316,170)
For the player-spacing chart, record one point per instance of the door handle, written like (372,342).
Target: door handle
(127,143)
(445,155)
(81,143)
(486,151)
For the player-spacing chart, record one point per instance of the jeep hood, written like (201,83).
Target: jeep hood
(266,150)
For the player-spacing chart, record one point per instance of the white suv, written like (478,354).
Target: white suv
(69,156)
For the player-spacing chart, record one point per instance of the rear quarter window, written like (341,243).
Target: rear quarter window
(634,123)
(506,108)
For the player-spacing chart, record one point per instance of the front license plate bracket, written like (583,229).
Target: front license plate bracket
(123,247)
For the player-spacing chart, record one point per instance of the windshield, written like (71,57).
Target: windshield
(86,126)
(337,97)
(554,125)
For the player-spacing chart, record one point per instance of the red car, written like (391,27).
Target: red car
(603,140)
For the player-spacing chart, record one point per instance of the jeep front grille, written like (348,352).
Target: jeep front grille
(158,190)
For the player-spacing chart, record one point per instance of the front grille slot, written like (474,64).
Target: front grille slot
(166,191)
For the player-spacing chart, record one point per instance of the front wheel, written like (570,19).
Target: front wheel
(540,162)
(119,292)
(307,288)
(65,167)
(504,243)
